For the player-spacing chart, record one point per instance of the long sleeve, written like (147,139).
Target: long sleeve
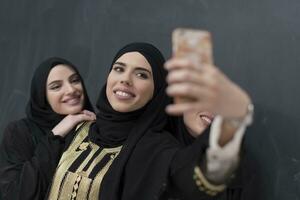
(27,162)
(181,184)
(206,159)
(222,161)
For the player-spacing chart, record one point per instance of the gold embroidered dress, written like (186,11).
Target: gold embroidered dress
(81,168)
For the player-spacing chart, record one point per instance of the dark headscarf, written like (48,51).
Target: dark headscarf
(132,130)
(38,109)
(112,127)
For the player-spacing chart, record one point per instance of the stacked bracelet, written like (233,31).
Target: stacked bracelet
(204,185)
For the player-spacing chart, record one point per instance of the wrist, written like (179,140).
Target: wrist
(57,133)
(245,120)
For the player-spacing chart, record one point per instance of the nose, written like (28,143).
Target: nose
(69,88)
(126,82)
(126,79)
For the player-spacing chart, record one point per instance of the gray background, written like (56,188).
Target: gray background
(256,43)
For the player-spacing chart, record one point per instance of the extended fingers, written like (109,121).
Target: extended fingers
(190,91)
(177,63)
(83,116)
(185,75)
(179,109)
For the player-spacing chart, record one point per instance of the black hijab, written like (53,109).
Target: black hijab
(138,132)
(112,127)
(38,109)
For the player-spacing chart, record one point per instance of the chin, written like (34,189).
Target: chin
(121,109)
(73,110)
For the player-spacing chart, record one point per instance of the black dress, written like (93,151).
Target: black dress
(28,160)
(85,164)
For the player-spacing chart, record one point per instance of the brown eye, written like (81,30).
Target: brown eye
(118,69)
(54,87)
(142,75)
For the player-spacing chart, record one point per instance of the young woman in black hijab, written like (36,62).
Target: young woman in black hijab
(126,154)
(31,147)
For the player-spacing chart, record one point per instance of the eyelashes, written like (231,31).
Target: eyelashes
(138,72)
(56,85)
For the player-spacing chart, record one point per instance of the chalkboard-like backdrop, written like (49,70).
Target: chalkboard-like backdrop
(256,42)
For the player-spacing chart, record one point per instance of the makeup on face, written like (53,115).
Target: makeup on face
(130,83)
(64,90)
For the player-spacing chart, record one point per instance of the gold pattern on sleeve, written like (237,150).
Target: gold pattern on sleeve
(204,185)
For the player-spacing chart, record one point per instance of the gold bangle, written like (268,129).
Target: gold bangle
(204,185)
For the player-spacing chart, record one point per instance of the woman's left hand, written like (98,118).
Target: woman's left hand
(210,89)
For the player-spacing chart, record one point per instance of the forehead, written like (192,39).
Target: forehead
(60,72)
(134,59)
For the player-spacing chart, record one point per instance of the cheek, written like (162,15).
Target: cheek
(146,90)
(188,120)
(79,87)
(108,88)
(193,122)
(109,82)
(53,100)
(80,90)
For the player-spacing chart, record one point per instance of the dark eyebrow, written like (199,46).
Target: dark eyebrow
(54,82)
(120,63)
(143,69)
(73,75)
(136,68)
(59,81)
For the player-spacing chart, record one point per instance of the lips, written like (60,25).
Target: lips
(207,119)
(123,94)
(72,100)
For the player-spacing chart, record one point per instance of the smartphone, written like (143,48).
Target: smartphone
(192,44)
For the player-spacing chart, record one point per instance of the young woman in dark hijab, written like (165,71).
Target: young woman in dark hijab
(31,147)
(126,154)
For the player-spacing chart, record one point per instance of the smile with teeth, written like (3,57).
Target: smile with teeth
(124,95)
(207,119)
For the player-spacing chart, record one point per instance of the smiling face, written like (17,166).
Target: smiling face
(196,122)
(130,83)
(64,90)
